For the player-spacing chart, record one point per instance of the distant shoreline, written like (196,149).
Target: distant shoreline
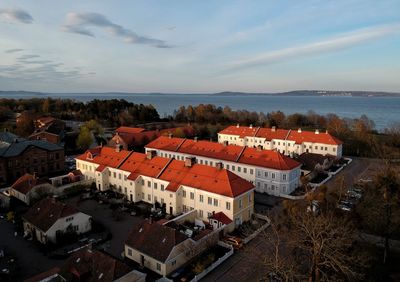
(297,93)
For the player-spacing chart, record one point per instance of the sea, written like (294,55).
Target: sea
(384,111)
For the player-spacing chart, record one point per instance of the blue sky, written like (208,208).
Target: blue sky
(199,46)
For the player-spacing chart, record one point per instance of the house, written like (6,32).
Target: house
(27,188)
(164,248)
(312,164)
(49,129)
(19,156)
(270,171)
(288,142)
(91,265)
(48,219)
(72,177)
(132,137)
(177,185)
(219,219)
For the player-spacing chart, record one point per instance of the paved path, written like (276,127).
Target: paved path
(31,260)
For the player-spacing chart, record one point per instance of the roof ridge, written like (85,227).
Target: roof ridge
(180,145)
(122,162)
(240,154)
(164,168)
(287,134)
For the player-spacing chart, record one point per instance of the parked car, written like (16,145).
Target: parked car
(235,242)
(345,205)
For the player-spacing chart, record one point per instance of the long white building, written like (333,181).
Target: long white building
(288,142)
(180,186)
(270,171)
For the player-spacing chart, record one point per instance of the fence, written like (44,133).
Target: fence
(259,230)
(216,263)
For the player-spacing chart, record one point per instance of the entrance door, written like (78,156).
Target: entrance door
(171,209)
(131,198)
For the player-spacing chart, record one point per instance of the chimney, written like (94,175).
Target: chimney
(259,148)
(118,148)
(237,125)
(169,135)
(219,165)
(299,130)
(273,128)
(150,154)
(316,131)
(225,143)
(251,126)
(195,139)
(327,131)
(189,161)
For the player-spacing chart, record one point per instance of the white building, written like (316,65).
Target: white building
(28,187)
(49,218)
(270,171)
(179,186)
(288,142)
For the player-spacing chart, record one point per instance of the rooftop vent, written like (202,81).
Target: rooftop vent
(118,148)
(78,260)
(251,126)
(299,130)
(273,128)
(195,139)
(237,125)
(316,131)
(219,165)
(190,161)
(151,154)
(225,143)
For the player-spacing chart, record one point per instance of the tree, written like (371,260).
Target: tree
(85,138)
(25,126)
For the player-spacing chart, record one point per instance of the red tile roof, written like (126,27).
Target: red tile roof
(207,178)
(104,156)
(129,130)
(221,217)
(283,134)
(25,183)
(233,153)
(46,212)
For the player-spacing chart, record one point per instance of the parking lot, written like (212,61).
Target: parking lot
(118,223)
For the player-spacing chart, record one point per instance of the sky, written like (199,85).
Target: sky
(184,46)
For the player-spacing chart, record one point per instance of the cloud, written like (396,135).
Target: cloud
(81,22)
(16,15)
(27,57)
(14,50)
(315,48)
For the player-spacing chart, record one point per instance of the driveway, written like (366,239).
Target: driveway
(102,213)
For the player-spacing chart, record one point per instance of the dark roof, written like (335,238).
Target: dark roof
(221,217)
(46,212)
(92,265)
(154,240)
(17,148)
(44,275)
(310,160)
(8,137)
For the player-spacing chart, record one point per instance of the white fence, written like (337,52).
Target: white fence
(259,230)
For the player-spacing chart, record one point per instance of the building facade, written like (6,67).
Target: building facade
(288,142)
(48,219)
(179,186)
(270,171)
(19,156)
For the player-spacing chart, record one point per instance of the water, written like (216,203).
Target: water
(384,111)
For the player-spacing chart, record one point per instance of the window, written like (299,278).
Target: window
(326,148)
(173,262)
(68,219)
(265,186)
(155,186)
(126,190)
(115,174)
(334,149)
(233,168)
(125,177)
(258,184)
(284,177)
(162,187)
(239,168)
(170,195)
(184,193)
(142,182)
(119,175)
(249,198)
(129,252)
(316,147)
(158,266)
(191,195)
(201,213)
(240,204)
(266,174)
(209,201)
(251,171)
(201,198)
(228,205)
(227,166)
(211,163)
(216,202)
(273,175)
(162,200)
(149,197)
(155,198)
(148,184)
(245,170)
